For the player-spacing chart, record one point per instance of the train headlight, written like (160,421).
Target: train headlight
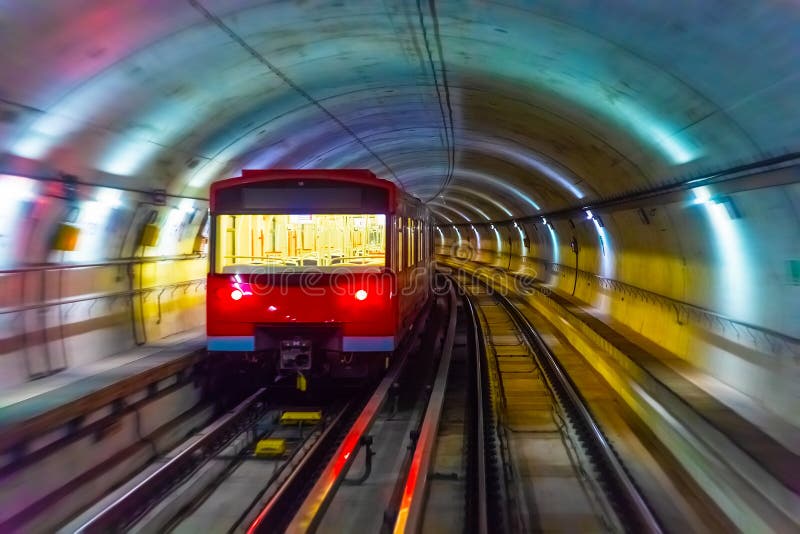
(361,294)
(236,294)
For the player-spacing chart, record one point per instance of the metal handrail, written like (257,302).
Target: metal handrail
(691,310)
(96,296)
(110,263)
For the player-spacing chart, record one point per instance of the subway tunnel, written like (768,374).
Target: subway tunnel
(637,160)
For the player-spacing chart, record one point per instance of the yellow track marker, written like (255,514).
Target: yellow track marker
(294,418)
(270,447)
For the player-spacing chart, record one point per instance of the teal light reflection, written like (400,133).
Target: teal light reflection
(734,288)
(477,236)
(458,234)
(553,240)
(470,206)
(481,177)
(499,241)
(450,208)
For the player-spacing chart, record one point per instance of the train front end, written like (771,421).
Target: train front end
(298,278)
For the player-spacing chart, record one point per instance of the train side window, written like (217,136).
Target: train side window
(415,238)
(420,240)
(400,258)
(410,234)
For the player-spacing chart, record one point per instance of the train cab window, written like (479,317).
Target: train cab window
(253,243)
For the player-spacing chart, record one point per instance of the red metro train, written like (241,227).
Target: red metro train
(315,271)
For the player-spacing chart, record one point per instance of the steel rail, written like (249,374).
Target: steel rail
(412,503)
(625,488)
(479,455)
(480,405)
(312,509)
(135,501)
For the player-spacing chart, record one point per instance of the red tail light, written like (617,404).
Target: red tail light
(236,294)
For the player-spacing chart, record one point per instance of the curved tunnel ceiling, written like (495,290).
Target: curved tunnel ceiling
(498,109)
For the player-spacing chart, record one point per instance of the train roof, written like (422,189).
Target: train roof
(254,176)
(346,176)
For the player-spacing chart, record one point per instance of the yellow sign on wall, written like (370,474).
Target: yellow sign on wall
(66,237)
(149,235)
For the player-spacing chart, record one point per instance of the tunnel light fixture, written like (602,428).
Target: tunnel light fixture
(491,227)
(17,188)
(703,196)
(186,205)
(109,198)
(544,220)
(516,225)
(730,207)
(589,215)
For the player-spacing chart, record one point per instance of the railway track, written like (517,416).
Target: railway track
(215,464)
(216,483)
(546,464)
(524,449)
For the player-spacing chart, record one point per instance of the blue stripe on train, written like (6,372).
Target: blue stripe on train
(367,343)
(232,343)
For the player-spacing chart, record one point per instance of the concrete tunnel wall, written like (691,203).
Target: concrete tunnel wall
(489,111)
(59,309)
(680,253)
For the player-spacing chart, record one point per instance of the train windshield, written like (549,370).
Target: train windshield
(270,243)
